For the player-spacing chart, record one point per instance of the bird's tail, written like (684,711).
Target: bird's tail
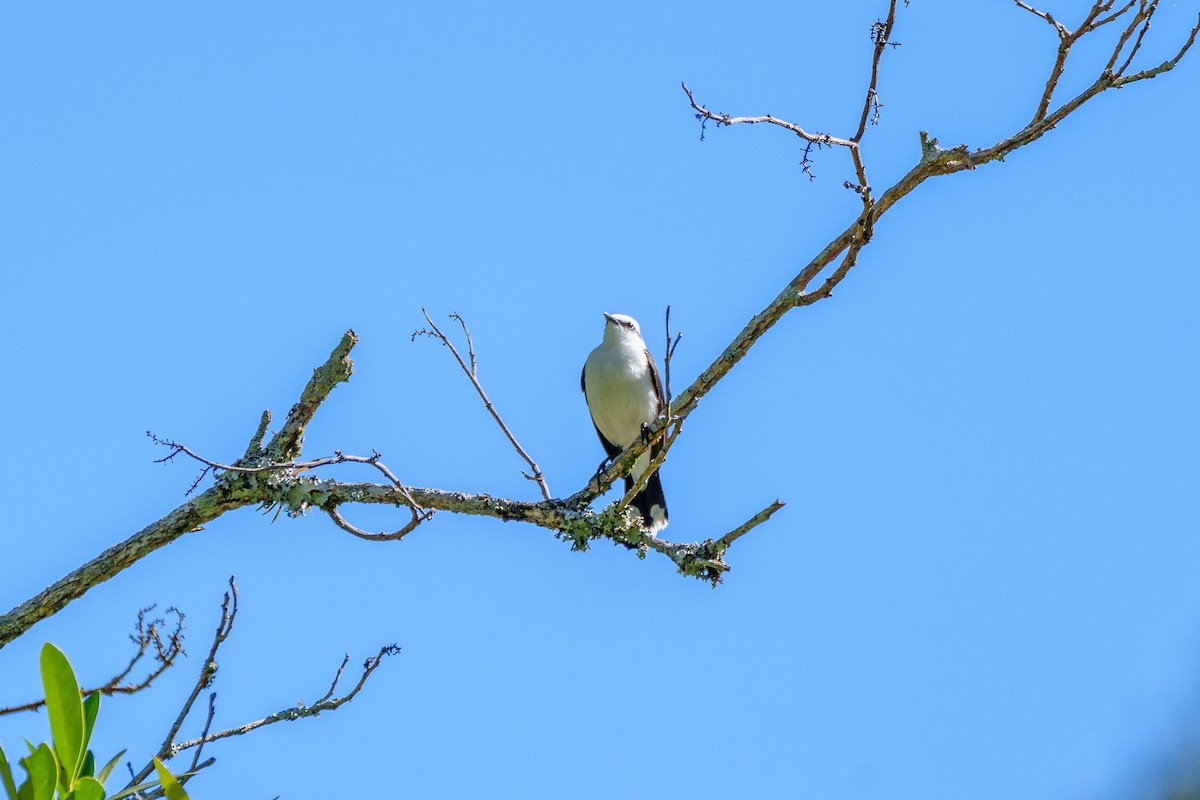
(650,503)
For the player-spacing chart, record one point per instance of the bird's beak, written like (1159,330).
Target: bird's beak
(609,317)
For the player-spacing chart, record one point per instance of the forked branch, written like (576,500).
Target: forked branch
(266,474)
(815,137)
(154,635)
(300,711)
(471,372)
(172,746)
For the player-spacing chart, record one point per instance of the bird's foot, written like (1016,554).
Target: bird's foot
(600,469)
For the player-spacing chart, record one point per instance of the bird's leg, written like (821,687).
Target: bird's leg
(603,466)
(645,433)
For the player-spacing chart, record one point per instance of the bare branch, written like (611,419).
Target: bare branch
(704,560)
(848,262)
(703,113)
(1105,20)
(285,445)
(192,515)
(568,518)
(326,703)
(1165,66)
(470,343)
(881,37)
(725,541)
(147,636)
(337,676)
(419,514)
(934,161)
(881,34)
(656,461)
(1058,26)
(1140,22)
(338,457)
(668,354)
(1056,71)
(212,711)
(257,478)
(341,522)
(470,372)
(1137,44)
(208,673)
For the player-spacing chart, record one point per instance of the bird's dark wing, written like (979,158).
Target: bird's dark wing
(658,387)
(611,450)
(583,380)
(658,393)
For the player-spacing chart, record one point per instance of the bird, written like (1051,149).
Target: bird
(624,393)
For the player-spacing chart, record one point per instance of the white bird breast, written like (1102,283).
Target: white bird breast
(620,393)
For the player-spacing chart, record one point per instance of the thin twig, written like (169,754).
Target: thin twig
(652,467)
(208,671)
(1140,22)
(470,372)
(1137,44)
(327,703)
(146,635)
(1058,26)
(337,676)
(212,710)
(1102,22)
(419,514)
(341,522)
(705,559)
(728,539)
(882,34)
(1068,39)
(667,365)
(668,354)
(1165,66)
(703,113)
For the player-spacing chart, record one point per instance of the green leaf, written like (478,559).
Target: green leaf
(108,768)
(43,772)
(121,795)
(6,778)
(65,710)
(88,770)
(91,707)
(87,789)
(170,785)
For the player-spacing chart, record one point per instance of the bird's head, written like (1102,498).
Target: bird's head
(620,327)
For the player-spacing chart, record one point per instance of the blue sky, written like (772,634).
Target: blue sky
(983,584)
